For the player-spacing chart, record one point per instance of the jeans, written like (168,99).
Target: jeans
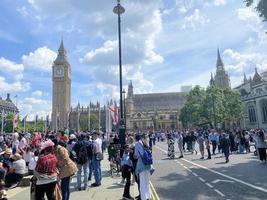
(127,175)
(49,189)
(226,153)
(214,146)
(97,170)
(91,169)
(65,188)
(84,168)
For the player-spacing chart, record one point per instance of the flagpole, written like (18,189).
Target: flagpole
(89,117)
(2,124)
(78,120)
(99,125)
(56,122)
(24,124)
(45,125)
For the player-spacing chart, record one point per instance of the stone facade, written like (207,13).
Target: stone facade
(153,111)
(8,106)
(61,77)
(221,78)
(254,98)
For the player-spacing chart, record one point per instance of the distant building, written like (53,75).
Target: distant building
(8,106)
(221,78)
(254,98)
(153,111)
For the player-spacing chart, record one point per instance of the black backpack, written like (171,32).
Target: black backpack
(82,156)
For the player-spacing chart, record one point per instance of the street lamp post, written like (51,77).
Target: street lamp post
(124,107)
(118,10)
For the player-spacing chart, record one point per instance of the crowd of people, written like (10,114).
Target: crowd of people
(54,158)
(226,142)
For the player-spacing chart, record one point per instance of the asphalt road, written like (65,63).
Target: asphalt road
(243,178)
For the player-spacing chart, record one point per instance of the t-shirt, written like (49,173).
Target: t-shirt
(98,145)
(19,166)
(27,156)
(32,163)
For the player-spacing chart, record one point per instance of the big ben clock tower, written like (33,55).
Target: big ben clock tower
(61,76)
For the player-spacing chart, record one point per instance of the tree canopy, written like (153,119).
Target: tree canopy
(211,106)
(260,6)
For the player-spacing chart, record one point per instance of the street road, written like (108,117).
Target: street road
(243,178)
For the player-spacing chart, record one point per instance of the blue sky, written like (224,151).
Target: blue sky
(165,43)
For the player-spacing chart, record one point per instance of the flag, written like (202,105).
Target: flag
(114,113)
(47,122)
(15,122)
(23,123)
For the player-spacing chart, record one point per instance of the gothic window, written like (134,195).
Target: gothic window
(264,111)
(139,115)
(252,114)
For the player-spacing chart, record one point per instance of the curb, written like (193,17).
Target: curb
(154,194)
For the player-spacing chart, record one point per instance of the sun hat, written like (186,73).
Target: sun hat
(72,136)
(16,157)
(7,151)
(46,144)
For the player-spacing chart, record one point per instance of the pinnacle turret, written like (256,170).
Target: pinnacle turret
(219,63)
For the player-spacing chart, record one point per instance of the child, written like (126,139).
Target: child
(127,167)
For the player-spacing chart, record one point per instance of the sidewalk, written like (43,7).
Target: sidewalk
(109,190)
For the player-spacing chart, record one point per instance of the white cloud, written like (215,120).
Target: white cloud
(23,11)
(195,20)
(9,66)
(16,86)
(37,93)
(219,2)
(41,59)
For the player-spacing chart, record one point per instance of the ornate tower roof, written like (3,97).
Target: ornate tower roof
(256,78)
(219,63)
(212,81)
(245,78)
(62,54)
(130,90)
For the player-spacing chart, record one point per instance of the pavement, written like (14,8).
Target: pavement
(190,178)
(109,190)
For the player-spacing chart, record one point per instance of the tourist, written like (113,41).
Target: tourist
(16,172)
(207,144)
(96,161)
(46,172)
(261,146)
(127,167)
(225,145)
(179,137)
(142,171)
(82,160)
(66,167)
(213,140)
(33,162)
(200,140)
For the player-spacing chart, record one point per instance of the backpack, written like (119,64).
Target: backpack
(82,156)
(147,157)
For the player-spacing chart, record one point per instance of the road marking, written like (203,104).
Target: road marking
(156,197)
(209,185)
(190,170)
(221,174)
(201,179)
(218,192)
(194,174)
(221,180)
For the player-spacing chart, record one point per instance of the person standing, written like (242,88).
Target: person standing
(213,140)
(180,144)
(207,143)
(66,167)
(96,161)
(81,151)
(142,171)
(260,137)
(127,167)
(200,141)
(46,172)
(225,145)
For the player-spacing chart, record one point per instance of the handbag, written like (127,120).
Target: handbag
(99,156)
(58,195)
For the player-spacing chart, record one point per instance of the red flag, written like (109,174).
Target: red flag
(114,113)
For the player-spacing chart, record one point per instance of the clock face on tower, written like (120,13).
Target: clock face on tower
(59,71)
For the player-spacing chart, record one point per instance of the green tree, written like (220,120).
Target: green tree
(213,106)
(233,105)
(191,113)
(260,6)
(93,121)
